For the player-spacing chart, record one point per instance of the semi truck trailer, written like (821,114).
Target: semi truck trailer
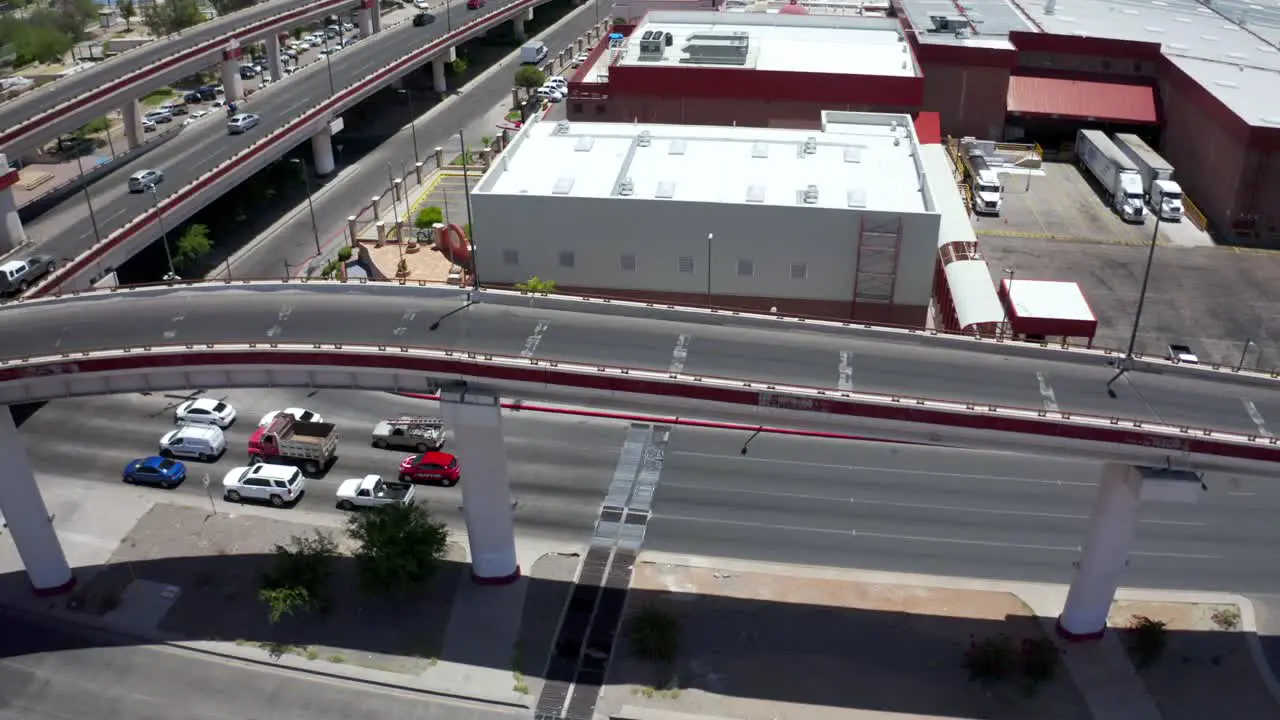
(1117,174)
(1163,193)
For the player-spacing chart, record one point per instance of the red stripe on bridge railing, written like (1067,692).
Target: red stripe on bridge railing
(823,401)
(82,262)
(123,83)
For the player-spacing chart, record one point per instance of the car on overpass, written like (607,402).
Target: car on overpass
(155,470)
(144,179)
(205,411)
(475,4)
(431,467)
(296,413)
(242,122)
(18,275)
(423,19)
(279,485)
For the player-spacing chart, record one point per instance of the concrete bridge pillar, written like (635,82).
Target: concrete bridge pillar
(364,21)
(232,85)
(375,14)
(322,152)
(12,234)
(274,64)
(437,75)
(476,422)
(132,114)
(1112,527)
(28,519)
(517,26)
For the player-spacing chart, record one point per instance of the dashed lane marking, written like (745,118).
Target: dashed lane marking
(680,354)
(278,328)
(1046,392)
(531,343)
(1256,416)
(844,379)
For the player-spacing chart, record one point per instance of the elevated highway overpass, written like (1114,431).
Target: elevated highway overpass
(205,161)
(478,348)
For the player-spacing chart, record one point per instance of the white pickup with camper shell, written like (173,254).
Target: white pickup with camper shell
(373,491)
(1117,174)
(409,432)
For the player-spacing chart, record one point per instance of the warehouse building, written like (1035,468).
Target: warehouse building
(760,70)
(836,223)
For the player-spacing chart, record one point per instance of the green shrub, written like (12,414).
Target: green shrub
(428,216)
(655,635)
(990,658)
(345,253)
(1150,637)
(1039,660)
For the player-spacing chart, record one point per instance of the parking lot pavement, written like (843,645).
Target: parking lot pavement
(1057,202)
(1213,299)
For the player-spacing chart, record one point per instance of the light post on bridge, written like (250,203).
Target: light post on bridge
(164,233)
(1127,361)
(311,208)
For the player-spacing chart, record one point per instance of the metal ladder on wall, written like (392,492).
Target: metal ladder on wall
(876,274)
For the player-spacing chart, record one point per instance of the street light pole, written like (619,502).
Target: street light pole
(413,124)
(1004,324)
(471,230)
(1243,353)
(164,234)
(93,217)
(1127,360)
(311,208)
(448,17)
(710,237)
(328,64)
(395,210)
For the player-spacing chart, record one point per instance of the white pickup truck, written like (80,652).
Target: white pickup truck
(373,491)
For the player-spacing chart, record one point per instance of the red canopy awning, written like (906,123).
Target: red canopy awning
(1082,100)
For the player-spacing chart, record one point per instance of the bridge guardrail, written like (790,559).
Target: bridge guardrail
(310,121)
(113,86)
(630,308)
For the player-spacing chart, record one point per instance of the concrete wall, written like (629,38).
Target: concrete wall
(712,111)
(970,100)
(599,231)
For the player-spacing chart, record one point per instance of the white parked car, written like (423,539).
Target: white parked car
(279,485)
(580,60)
(148,126)
(205,411)
(550,94)
(558,82)
(203,442)
(298,414)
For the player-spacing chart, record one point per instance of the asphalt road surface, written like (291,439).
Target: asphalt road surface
(821,502)
(56,93)
(58,671)
(313,314)
(64,231)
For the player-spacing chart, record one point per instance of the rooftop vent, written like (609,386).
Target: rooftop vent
(562,127)
(755,193)
(627,187)
(666,190)
(562,186)
(677,147)
(857,198)
(718,48)
(1050,7)
(584,144)
(948,23)
(853,154)
(810,196)
(652,47)
(811,146)
(759,150)
(645,139)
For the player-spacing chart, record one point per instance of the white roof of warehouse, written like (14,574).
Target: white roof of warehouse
(860,161)
(1237,63)
(1049,299)
(788,43)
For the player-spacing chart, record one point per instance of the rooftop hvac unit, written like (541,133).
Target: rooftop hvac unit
(651,45)
(627,188)
(811,195)
(718,48)
(811,146)
(948,23)
(562,127)
(645,139)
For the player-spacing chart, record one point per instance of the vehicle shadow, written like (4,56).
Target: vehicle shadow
(736,647)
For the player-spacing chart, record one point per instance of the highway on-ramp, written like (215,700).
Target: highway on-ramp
(657,340)
(65,231)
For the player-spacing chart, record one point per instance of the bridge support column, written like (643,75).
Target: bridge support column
(29,522)
(364,21)
(375,14)
(322,152)
(12,233)
(517,27)
(274,64)
(232,85)
(476,422)
(1111,530)
(132,114)
(437,75)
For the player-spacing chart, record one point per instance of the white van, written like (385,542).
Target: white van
(533,53)
(203,442)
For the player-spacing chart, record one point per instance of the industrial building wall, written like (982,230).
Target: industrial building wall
(801,259)
(970,100)
(715,111)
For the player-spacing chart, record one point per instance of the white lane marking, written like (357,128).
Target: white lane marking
(1256,416)
(932,473)
(845,378)
(404,323)
(915,506)
(173,332)
(1046,392)
(680,354)
(278,328)
(1242,494)
(532,342)
(918,538)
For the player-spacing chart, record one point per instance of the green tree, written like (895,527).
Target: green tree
(428,216)
(530,77)
(536,284)
(128,12)
(400,547)
(229,6)
(192,246)
(173,16)
(299,576)
(37,39)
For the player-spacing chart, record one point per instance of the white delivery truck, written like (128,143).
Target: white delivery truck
(984,184)
(1164,195)
(532,53)
(1117,174)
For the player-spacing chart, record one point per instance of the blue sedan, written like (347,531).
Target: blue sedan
(156,470)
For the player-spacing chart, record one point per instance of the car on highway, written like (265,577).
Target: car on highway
(242,122)
(297,414)
(431,467)
(193,97)
(409,432)
(155,470)
(202,442)
(475,4)
(144,179)
(159,115)
(148,126)
(422,4)
(205,411)
(1182,353)
(279,485)
(175,108)
(248,72)
(423,19)
(18,275)
(372,491)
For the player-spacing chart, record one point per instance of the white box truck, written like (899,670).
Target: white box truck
(1164,195)
(1117,174)
(532,53)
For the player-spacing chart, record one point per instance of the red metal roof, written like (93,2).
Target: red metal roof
(1081,99)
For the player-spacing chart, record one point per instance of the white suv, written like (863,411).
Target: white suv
(276,484)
